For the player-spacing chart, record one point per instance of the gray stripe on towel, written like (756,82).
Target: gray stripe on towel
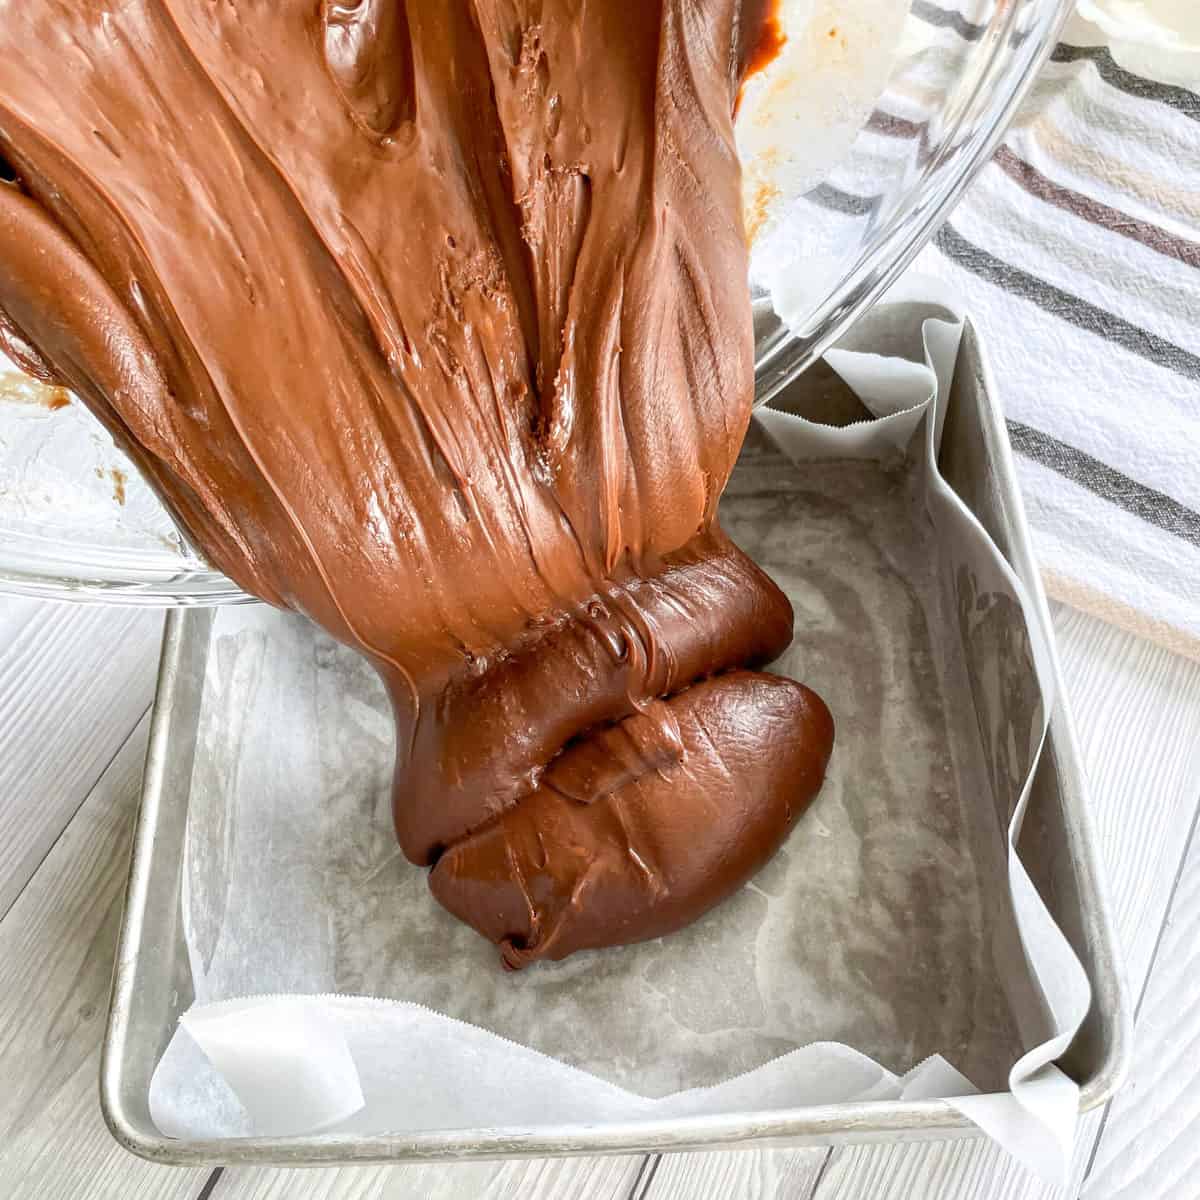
(923,10)
(1094,211)
(825,195)
(1066,306)
(1154,507)
(1178,98)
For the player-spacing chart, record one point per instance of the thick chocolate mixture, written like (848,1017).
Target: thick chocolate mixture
(429,319)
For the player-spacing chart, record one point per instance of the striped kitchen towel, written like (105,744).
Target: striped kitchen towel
(1077,255)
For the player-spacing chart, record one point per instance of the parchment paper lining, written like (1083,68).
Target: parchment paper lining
(892,920)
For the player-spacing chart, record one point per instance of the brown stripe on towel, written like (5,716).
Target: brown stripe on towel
(1082,595)
(1095,212)
(1155,192)
(890,125)
(1091,473)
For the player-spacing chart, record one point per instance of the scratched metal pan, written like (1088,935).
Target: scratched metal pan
(152,984)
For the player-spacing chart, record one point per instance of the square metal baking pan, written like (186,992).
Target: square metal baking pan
(151,985)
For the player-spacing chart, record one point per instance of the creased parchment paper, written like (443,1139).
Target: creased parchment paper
(894,947)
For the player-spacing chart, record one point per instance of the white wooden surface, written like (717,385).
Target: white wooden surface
(1151,1144)
(74,687)
(56,947)
(73,683)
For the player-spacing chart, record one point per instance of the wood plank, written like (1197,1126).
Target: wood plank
(746,1174)
(57,943)
(529,1179)
(1150,1145)
(1137,711)
(1137,708)
(923,1169)
(74,680)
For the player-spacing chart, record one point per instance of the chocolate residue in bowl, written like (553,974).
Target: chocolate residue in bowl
(118,478)
(19,389)
(763,36)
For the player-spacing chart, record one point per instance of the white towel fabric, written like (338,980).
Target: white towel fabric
(1077,254)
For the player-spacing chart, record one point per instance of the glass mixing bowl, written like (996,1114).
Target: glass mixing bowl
(76,521)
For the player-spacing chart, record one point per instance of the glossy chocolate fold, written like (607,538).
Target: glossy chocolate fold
(429,319)
(659,843)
